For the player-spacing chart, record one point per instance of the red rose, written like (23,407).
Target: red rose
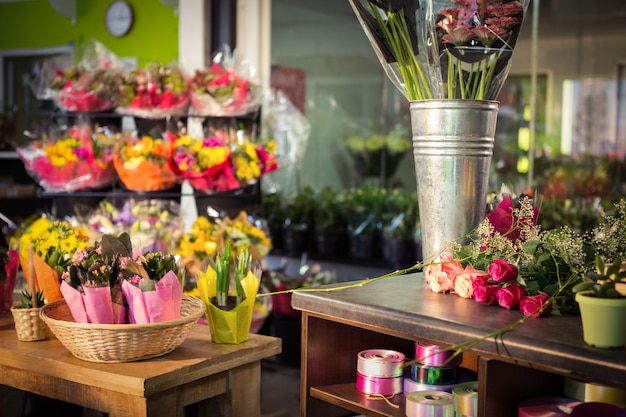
(502,271)
(509,297)
(531,305)
(502,220)
(485,293)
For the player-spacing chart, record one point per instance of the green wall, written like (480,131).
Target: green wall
(35,24)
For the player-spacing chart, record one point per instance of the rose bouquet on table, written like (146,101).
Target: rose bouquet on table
(77,158)
(226,88)
(142,162)
(154,92)
(511,263)
(109,279)
(443,49)
(53,244)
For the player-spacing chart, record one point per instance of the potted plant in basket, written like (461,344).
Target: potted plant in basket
(28,325)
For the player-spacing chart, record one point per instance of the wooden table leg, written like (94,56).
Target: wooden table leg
(245,388)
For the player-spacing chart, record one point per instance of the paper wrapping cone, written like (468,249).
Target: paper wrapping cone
(231,326)
(147,176)
(46,278)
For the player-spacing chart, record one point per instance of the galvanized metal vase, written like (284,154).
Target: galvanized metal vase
(453,146)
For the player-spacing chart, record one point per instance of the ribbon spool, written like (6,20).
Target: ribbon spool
(434,375)
(465,397)
(430,403)
(413,386)
(432,355)
(597,409)
(375,385)
(547,407)
(380,363)
(591,392)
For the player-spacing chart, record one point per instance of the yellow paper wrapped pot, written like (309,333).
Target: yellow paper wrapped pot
(228,326)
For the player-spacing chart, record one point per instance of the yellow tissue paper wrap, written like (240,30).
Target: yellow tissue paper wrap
(232,326)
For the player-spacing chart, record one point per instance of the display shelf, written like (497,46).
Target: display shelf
(348,397)
(531,360)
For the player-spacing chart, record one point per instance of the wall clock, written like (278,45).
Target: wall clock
(119,18)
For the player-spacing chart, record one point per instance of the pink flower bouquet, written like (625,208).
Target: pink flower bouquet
(77,160)
(10,260)
(226,88)
(109,284)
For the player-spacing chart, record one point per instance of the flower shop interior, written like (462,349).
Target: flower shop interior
(282,130)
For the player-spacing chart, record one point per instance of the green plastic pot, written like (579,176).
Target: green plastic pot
(603,320)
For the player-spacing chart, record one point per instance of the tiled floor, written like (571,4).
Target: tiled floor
(280,390)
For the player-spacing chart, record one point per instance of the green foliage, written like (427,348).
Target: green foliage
(27,300)
(603,281)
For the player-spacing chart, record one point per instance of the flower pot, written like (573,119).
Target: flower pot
(295,240)
(29,325)
(329,244)
(453,146)
(396,250)
(362,246)
(603,320)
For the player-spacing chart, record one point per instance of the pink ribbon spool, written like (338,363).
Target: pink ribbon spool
(380,363)
(375,385)
(432,355)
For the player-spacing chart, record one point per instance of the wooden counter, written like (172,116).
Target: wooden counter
(224,378)
(395,312)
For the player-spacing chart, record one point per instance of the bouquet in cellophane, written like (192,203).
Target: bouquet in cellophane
(226,88)
(141,161)
(53,244)
(155,92)
(77,158)
(90,85)
(111,283)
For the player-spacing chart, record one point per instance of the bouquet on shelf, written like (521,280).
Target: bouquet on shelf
(203,162)
(142,162)
(253,160)
(78,158)
(91,85)
(226,88)
(153,225)
(204,238)
(155,92)
(53,244)
(110,283)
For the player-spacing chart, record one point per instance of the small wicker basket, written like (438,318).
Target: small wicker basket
(29,325)
(121,342)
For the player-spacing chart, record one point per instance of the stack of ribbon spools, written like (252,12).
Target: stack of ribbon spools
(434,385)
(380,372)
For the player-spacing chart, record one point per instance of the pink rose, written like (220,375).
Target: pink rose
(485,293)
(509,297)
(464,282)
(440,275)
(502,271)
(502,219)
(531,305)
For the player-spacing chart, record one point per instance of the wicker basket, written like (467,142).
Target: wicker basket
(29,325)
(121,342)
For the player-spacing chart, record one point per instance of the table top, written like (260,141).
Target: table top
(195,358)
(404,306)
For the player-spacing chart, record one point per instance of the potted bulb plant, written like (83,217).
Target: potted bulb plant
(28,324)
(603,306)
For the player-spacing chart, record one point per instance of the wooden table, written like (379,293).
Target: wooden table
(224,379)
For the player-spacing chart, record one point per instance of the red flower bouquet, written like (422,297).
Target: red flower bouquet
(142,163)
(156,92)
(8,275)
(204,163)
(81,90)
(78,159)
(218,91)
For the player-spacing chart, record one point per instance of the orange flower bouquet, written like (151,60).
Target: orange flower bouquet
(81,158)
(142,162)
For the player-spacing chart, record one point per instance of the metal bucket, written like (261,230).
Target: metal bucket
(453,146)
